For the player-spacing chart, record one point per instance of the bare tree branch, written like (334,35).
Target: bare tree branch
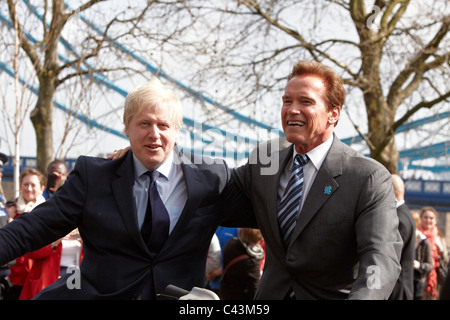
(418,67)
(28,48)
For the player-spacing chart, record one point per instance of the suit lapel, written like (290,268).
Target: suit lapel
(194,184)
(322,188)
(122,187)
(271,184)
(268,185)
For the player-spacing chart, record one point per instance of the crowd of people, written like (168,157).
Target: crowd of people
(27,275)
(318,221)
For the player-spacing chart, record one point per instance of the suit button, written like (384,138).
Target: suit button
(291,257)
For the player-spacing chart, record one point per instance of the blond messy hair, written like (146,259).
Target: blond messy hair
(153,95)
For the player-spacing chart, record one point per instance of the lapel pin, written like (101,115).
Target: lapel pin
(327,190)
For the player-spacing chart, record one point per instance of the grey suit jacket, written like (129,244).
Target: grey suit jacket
(345,244)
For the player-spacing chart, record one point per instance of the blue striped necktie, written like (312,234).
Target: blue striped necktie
(288,209)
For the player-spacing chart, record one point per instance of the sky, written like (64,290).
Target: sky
(106,108)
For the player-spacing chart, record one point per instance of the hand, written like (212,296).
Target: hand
(416,264)
(212,275)
(12,212)
(58,182)
(118,153)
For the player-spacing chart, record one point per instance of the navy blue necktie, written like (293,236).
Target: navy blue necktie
(155,228)
(288,209)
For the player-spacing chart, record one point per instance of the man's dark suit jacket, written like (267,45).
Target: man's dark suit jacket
(97,198)
(404,288)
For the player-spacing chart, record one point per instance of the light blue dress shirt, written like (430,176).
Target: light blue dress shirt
(171,187)
(316,158)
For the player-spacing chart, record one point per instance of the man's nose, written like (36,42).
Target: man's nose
(294,108)
(153,131)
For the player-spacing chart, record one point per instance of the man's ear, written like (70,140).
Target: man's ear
(334,115)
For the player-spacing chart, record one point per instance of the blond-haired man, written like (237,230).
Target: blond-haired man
(107,201)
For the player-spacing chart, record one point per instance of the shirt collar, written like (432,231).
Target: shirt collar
(317,155)
(164,169)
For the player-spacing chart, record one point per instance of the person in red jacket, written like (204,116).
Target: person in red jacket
(44,271)
(31,184)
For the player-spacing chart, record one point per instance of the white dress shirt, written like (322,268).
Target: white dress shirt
(316,158)
(171,187)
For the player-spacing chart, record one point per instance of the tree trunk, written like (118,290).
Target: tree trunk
(42,119)
(42,115)
(380,121)
(380,115)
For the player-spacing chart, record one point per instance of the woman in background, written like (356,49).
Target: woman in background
(428,226)
(423,262)
(35,270)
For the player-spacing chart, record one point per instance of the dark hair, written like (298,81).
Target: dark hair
(54,164)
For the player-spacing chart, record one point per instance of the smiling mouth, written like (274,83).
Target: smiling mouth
(296,123)
(153,146)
